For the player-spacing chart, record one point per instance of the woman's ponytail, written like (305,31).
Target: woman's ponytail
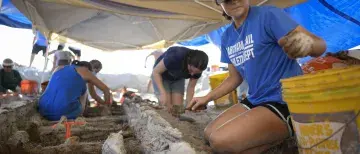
(83,64)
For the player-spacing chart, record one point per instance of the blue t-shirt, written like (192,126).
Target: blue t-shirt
(175,61)
(254,51)
(61,97)
(40,39)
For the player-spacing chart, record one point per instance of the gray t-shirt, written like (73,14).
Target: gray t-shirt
(63,55)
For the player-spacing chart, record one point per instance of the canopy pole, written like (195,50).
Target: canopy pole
(0,3)
(207,6)
(46,59)
(263,2)
(200,29)
(160,37)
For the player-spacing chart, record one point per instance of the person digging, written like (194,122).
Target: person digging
(169,74)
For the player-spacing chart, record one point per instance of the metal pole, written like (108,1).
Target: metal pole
(46,60)
(207,6)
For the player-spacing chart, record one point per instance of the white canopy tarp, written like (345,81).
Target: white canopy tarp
(127,24)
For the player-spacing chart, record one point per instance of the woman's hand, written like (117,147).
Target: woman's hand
(198,103)
(108,97)
(300,43)
(169,107)
(163,99)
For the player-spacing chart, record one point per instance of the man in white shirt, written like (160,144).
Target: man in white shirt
(61,57)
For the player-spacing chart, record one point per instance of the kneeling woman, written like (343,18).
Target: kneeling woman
(66,92)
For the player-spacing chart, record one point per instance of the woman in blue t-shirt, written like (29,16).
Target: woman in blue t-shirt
(65,94)
(260,47)
(170,71)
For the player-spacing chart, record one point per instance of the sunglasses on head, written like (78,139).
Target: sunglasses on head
(7,66)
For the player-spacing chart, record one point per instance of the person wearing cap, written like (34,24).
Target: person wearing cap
(169,74)
(39,44)
(61,57)
(76,51)
(9,78)
(260,46)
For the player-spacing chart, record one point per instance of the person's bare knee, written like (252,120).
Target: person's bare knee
(228,114)
(177,98)
(178,108)
(248,130)
(168,98)
(207,131)
(219,142)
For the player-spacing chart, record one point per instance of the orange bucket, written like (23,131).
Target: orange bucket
(29,87)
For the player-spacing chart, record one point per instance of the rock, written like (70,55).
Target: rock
(20,137)
(186,118)
(156,134)
(136,99)
(180,148)
(72,140)
(114,144)
(106,111)
(36,119)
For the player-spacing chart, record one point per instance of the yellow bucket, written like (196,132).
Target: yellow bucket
(227,100)
(325,110)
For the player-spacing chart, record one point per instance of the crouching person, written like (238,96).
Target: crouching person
(66,92)
(10,79)
(261,46)
(169,74)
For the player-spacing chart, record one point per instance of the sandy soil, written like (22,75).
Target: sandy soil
(192,132)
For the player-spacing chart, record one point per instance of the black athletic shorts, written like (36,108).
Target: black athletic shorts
(280,110)
(37,48)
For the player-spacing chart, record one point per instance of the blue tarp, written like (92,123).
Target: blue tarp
(12,17)
(336,21)
(213,37)
(198,41)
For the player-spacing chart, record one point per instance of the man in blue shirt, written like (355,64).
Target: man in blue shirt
(39,44)
(260,47)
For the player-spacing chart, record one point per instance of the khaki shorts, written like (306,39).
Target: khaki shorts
(177,86)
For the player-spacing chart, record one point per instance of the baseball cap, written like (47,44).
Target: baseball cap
(8,62)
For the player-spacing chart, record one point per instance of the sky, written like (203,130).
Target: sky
(17,45)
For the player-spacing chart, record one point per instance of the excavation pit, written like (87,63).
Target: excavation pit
(23,130)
